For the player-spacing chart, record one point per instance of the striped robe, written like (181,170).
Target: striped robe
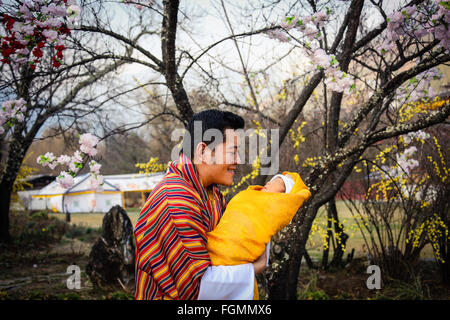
(170,234)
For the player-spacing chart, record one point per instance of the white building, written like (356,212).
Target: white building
(124,190)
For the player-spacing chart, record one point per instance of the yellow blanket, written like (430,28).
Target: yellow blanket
(251,218)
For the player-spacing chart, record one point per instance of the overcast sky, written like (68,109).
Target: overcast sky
(206,25)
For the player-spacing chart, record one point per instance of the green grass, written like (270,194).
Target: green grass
(94,220)
(356,240)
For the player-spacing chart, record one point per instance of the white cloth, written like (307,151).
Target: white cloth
(229,282)
(288,181)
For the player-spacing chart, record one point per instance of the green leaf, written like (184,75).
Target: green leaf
(329,11)
(289,19)
(352,87)
(445,4)
(333,60)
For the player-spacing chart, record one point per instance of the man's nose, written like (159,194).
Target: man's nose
(238,158)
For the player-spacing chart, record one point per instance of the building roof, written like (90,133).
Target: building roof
(121,182)
(135,182)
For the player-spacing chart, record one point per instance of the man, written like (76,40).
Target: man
(171,257)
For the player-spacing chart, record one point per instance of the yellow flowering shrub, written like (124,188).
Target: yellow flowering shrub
(152,166)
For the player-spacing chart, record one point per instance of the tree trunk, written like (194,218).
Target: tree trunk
(283,273)
(326,250)
(16,153)
(174,81)
(5,195)
(339,230)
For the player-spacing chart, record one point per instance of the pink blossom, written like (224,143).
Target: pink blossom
(27,29)
(88,143)
(64,159)
(23,51)
(311,33)
(320,58)
(77,157)
(52,165)
(73,166)
(409,10)
(12,109)
(73,10)
(386,46)
(277,34)
(320,18)
(47,159)
(288,25)
(54,10)
(65,180)
(50,156)
(397,18)
(307,19)
(20,117)
(96,181)
(95,167)
(410,151)
(88,140)
(88,150)
(50,35)
(25,11)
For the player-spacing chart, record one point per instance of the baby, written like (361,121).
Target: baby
(279,184)
(252,217)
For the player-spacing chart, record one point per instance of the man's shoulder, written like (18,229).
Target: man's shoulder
(173,185)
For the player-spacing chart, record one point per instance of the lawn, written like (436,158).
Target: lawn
(356,239)
(94,220)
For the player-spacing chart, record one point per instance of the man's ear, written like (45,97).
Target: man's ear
(200,153)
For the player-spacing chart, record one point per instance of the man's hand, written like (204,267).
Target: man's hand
(260,264)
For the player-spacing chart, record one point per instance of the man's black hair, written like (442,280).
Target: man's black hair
(210,119)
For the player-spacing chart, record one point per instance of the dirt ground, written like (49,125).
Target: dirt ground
(41,273)
(350,283)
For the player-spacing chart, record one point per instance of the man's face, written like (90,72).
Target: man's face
(223,160)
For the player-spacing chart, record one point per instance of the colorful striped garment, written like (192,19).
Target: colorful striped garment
(170,234)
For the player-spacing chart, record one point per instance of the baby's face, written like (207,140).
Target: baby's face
(276,185)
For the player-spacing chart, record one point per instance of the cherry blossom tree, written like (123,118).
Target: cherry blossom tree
(47,75)
(394,62)
(54,51)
